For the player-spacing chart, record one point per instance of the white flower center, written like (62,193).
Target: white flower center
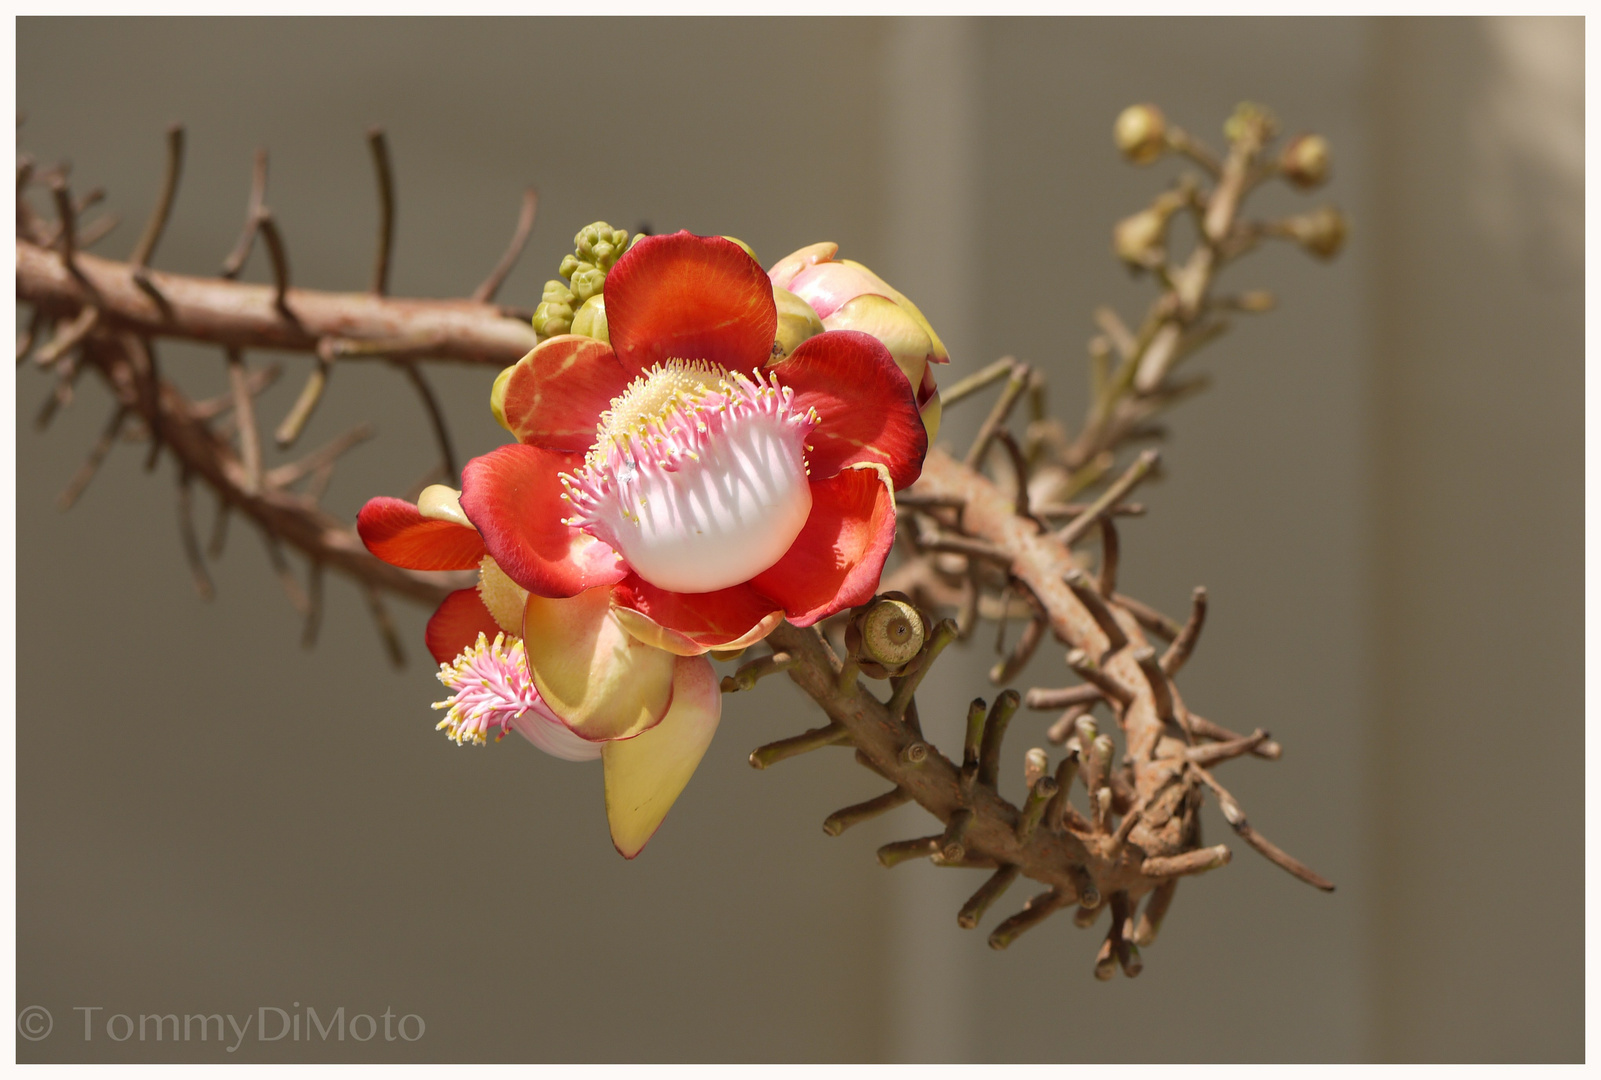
(697,477)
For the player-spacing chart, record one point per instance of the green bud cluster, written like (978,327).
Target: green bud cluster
(596,249)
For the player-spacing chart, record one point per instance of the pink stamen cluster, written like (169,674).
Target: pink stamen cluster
(617,468)
(492,689)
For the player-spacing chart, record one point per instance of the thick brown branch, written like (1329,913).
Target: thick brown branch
(245,316)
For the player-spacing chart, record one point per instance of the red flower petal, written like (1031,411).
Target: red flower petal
(513,495)
(836,560)
(397,533)
(712,619)
(692,298)
(865,406)
(457,624)
(554,396)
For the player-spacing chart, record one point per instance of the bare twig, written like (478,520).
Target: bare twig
(146,247)
(245,417)
(191,540)
(1016,383)
(1110,497)
(235,262)
(379,145)
(1179,652)
(97,454)
(485,293)
(977,381)
(436,419)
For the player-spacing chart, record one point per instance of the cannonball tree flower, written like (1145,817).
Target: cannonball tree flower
(672,492)
(845,295)
(476,635)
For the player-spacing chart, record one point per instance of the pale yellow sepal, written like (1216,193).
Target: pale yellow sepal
(796,320)
(931,412)
(939,354)
(497,396)
(503,597)
(590,321)
(442,503)
(891,324)
(602,681)
(645,774)
(746,248)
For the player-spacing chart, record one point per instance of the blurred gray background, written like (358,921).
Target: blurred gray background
(1381,491)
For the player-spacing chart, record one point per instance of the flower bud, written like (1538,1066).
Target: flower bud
(885,635)
(796,321)
(588,281)
(1305,161)
(1139,239)
(590,321)
(554,315)
(1250,121)
(1321,232)
(1141,133)
(600,245)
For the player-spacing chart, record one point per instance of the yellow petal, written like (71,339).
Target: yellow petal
(901,334)
(603,682)
(644,775)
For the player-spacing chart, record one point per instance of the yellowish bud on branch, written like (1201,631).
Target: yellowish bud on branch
(1305,161)
(1141,133)
(1321,232)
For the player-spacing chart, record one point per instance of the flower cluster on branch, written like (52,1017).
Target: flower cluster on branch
(712,459)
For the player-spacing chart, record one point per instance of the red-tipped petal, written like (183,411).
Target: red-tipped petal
(866,411)
(513,495)
(396,532)
(691,298)
(836,561)
(457,624)
(553,397)
(709,619)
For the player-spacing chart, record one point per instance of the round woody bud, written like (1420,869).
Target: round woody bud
(1305,161)
(885,635)
(1141,133)
(1321,232)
